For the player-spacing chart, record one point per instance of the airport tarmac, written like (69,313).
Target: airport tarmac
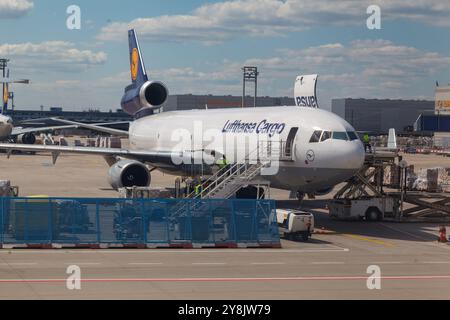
(87,176)
(332,266)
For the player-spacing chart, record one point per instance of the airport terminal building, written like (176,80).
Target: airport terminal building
(380,115)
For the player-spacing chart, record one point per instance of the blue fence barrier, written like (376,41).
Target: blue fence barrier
(138,221)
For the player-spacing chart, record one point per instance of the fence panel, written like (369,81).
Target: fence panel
(74,221)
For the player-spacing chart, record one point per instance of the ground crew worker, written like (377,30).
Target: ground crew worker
(222,163)
(366,141)
(198,190)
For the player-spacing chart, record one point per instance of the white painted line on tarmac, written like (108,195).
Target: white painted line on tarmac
(312,278)
(19,264)
(268,263)
(328,263)
(436,262)
(146,263)
(208,264)
(390,262)
(83,263)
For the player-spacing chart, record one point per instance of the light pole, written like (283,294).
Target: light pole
(250,75)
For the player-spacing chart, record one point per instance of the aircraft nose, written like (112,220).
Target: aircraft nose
(356,155)
(350,156)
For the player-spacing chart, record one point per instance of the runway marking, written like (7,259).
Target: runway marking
(436,262)
(372,240)
(146,263)
(19,264)
(178,251)
(83,263)
(318,278)
(208,264)
(268,263)
(404,232)
(391,262)
(328,263)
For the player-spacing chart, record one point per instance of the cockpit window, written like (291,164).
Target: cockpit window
(340,136)
(352,135)
(326,136)
(315,137)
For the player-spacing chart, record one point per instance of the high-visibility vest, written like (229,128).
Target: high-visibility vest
(222,163)
(198,189)
(366,138)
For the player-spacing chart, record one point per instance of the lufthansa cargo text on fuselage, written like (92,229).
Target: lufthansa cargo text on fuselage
(263,127)
(307,102)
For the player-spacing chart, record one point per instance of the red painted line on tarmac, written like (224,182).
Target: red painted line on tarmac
(124,280)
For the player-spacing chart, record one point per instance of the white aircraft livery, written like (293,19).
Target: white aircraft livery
(316,149)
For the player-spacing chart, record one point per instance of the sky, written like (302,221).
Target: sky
(200,47)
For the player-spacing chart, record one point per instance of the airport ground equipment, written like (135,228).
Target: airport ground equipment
(241,178)
(365,196)
(370,209)
(244,173)
(137,223)
(145,193)
(6,190)
(295,225)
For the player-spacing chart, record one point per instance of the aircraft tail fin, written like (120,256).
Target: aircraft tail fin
(305,91)
(138,72)
(392,139)
(5,95)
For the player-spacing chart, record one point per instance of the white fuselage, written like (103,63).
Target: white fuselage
(313,166)
(6,127)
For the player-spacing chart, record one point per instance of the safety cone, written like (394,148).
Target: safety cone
(443,234)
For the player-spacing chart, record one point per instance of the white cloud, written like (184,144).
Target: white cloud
(51,55)
(363,68)
(214,23)
(14,8)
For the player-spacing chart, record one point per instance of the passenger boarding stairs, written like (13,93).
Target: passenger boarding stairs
(229,180)
(226,182)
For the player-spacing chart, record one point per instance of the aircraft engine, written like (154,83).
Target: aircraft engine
(129,173)
(27,138)
(151,94)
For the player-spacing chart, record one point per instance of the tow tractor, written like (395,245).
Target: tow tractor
(295,225)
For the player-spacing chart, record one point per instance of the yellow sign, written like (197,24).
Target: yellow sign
(134,64)
(442,104)
(5,93)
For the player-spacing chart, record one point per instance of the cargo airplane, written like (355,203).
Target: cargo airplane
(322,148)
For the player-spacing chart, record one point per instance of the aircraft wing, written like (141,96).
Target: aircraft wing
(96,127)
(18,131)
(154,157)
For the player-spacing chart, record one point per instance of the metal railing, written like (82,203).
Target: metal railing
(248,168)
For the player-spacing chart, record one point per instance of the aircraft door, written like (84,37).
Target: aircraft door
(289,148)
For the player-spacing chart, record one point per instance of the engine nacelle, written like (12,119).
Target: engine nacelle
(129,173)
(324,192)
(152,94)
(27,138)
